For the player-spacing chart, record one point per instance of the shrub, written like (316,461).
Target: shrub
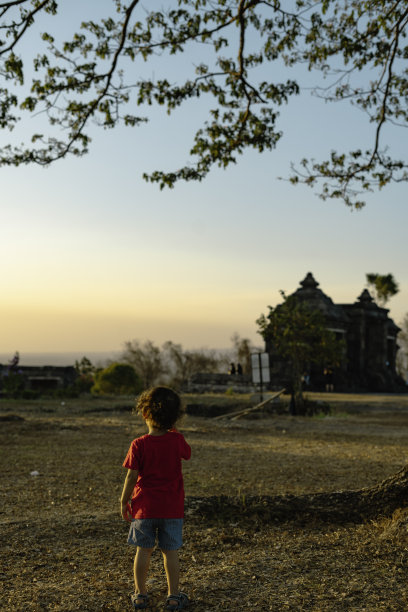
(117,379)
(13,385)
(84,383)
(29,394)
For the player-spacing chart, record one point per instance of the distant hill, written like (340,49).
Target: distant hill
(60,359)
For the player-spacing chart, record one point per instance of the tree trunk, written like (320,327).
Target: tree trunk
(337,507)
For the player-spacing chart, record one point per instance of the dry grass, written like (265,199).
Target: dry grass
(63,542)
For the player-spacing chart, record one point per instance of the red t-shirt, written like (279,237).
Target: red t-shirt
(159,491)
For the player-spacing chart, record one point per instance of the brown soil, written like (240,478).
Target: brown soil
(63,543)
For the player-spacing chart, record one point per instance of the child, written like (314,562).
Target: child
(154,482)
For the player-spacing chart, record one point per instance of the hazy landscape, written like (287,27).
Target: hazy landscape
(67,358)
(63,541)
(221,220)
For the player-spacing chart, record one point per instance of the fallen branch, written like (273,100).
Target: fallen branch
(240,413)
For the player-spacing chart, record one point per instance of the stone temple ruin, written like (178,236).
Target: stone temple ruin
(369,361)
(370,337)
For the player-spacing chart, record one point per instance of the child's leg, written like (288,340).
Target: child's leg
(172,568)
(141,567)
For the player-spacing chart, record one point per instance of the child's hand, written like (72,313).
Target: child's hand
(126,512)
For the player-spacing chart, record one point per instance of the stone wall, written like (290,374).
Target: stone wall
(42,378)
(220,383)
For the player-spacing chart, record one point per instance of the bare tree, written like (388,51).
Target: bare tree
(146,359)
(242,350)
(182,364)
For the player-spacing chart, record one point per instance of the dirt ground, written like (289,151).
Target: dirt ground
(63,543)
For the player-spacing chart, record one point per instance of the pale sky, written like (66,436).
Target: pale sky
(92,256)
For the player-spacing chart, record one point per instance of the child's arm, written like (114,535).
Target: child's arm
(129,485)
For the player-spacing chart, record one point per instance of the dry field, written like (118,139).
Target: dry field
(63,543)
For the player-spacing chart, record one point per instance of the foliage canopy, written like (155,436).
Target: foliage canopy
(383,285)
(402,355)
(359,47)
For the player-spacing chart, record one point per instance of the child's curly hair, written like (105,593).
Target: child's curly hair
(161,406)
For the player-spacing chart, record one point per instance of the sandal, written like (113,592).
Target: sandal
(140,601)
(181,599)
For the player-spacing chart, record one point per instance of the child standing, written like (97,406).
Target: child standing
(154,487)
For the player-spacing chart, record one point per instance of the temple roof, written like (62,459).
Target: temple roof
(309,291)
(367,303)
(309,282)
(365,297)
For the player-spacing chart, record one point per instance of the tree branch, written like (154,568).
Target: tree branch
(25,22)
(383,110)
(108,76)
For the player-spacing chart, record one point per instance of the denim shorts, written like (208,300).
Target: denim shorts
(143,533)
